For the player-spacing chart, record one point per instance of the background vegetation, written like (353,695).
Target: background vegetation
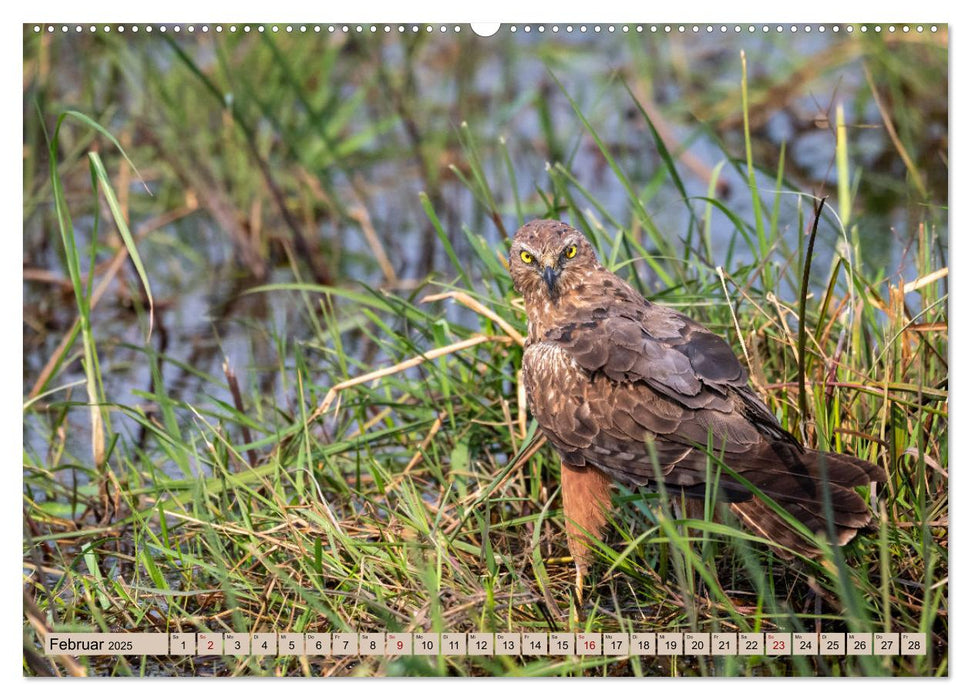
(272,351)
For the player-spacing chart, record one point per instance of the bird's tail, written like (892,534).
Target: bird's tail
(824,500)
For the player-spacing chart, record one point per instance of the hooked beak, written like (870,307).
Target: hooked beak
(550,276)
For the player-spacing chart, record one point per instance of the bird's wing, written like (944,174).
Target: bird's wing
(641,342)
(633,341)
(627,385)
(639,436)
(627,428)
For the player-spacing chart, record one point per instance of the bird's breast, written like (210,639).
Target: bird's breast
(553,380)
(550,361)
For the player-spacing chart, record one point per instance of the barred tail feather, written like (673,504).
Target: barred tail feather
(818,470)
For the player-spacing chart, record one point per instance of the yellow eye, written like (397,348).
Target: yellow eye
(571,252)
(526,257)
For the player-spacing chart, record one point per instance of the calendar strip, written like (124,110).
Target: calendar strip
(397,644)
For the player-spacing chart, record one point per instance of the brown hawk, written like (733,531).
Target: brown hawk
(629,390)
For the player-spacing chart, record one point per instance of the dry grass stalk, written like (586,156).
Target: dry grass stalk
(402,366)
(466,300)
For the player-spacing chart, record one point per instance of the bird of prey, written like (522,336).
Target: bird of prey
(631,391)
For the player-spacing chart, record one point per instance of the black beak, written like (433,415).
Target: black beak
(550,276)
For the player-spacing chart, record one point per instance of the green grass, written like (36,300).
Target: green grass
(420,500)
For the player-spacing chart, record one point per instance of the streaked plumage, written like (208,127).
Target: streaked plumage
(617,382)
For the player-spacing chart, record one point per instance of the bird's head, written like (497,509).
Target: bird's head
(549,258)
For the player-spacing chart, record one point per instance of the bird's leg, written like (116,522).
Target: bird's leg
(578,589)
(586,497)
(579,585)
